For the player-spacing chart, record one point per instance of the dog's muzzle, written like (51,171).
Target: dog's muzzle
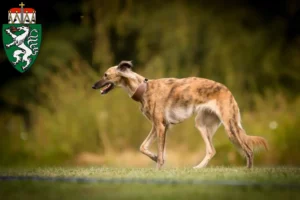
(105,85)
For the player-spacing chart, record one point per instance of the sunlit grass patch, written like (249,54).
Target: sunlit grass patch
(134,190)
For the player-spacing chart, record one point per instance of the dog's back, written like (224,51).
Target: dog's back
(180,98)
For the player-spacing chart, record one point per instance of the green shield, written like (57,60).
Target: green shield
(22,43)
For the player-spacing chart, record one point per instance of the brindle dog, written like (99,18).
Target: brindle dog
(169,101)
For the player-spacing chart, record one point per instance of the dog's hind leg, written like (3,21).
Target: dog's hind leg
(144,148)
(207,123)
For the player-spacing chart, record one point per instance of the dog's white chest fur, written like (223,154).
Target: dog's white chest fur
(178,114)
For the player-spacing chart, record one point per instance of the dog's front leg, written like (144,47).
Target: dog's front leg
(161,131)
(145,145)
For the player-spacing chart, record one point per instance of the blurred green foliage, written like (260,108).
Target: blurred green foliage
(170,39)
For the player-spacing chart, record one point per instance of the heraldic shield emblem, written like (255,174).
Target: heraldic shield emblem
(22,37)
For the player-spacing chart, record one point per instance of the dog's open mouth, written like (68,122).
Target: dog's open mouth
(106,88)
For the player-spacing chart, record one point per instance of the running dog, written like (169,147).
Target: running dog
(169,101)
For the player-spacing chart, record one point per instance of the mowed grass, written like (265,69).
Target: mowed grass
(267,177)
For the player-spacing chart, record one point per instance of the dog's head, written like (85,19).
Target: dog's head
(114,76)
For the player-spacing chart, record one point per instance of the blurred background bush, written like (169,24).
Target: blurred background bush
(50,115)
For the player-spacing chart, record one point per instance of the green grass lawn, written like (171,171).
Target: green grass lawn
(62,190)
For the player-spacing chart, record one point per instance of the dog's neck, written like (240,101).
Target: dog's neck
(130,84)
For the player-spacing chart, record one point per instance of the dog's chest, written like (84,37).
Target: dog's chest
(146,111)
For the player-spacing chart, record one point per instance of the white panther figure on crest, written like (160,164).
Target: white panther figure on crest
(19,41)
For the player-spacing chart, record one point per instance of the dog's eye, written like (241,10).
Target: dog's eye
(105,75)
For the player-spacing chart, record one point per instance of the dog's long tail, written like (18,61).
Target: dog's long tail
(257,142)
(242,141)
(237,135)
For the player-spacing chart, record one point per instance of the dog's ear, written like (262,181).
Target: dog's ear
(124,65)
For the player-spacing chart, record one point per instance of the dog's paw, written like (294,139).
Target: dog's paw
(200,166)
